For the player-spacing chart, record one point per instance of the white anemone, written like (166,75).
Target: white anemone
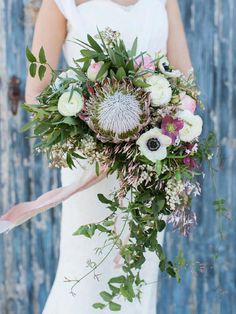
(192,126)
(70,105)
(159,89)
(152,144)
(165,68)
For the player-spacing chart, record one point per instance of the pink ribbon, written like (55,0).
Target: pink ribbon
(22,212)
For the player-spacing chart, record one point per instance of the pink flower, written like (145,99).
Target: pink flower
(187,102)
(94,69)
(191,163)
(145,63)
(171,126)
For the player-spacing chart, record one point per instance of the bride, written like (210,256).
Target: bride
(158,26)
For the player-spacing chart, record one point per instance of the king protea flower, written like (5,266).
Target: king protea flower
(117,111)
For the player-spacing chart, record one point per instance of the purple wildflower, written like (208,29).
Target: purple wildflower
(183,219)
(190,162)
(171,126)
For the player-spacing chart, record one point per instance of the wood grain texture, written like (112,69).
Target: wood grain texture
(208,281)
(28,256)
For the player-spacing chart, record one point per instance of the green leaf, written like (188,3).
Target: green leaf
(161,225)
(160,252)
(91,230)
(108,223)
(33,69)
(69,121)
(42,128)
(119,279)
(112,74)
(42,57)
(120,74)
(130,66)
(158,167)
(114,306)
(170,270)
(42,71)
(158,205)
(27,126)
(30,56)
(86,65)
(69,161)
(178,175)
(76,155)
(102,229)
(89,53)
(106,296)
(103,70)
(114,289)
(162,265)
(134,48)
(99,306)
(86,230)
(103,199)
(53,137)
(97,168)
(94,44)
(140,83)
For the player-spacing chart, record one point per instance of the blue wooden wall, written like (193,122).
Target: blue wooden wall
(28,255)
(209,279)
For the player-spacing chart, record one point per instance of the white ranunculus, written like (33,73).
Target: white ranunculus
(192,126)
(70,105)
(160,90)
(152,144)
(69,74)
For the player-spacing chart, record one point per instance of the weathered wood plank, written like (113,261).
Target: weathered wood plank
(208,284)
(28,255)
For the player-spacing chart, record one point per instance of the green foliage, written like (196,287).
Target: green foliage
(37,64)
(148,203)
(220,206)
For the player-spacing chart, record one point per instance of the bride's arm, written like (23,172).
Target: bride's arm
(50,32)
(178,52)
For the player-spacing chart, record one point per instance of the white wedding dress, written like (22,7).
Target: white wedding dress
(148,20)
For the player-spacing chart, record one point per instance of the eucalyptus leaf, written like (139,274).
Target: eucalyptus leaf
(121,74)
(134,48)
(140,83)
(94,44)
(28,125)
(103,70)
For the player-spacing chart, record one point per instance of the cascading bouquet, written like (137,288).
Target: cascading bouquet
(134,116)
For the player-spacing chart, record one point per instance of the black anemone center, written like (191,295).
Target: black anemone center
(167,68)
(153,144)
